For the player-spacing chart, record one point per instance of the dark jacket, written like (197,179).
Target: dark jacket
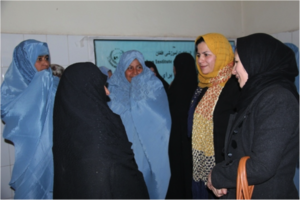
(267,131)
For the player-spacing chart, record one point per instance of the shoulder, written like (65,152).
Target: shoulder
(276,94)
(276,99)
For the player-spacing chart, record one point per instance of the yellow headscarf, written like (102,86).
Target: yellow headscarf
(203,125)
(222,49)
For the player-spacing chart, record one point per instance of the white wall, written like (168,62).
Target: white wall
(270,16)
(132,18)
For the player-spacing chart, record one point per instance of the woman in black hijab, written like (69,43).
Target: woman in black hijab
(93,158)
(180,148)
(266,125)
(153,68)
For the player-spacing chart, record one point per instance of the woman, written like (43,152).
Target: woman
(27,97)
(214,100)
(296,52)
(266,125)
(180,148)
(297,83)
(138,96)
(153,68)
(92,155)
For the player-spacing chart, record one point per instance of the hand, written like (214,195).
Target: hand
(217,192)
(106,91)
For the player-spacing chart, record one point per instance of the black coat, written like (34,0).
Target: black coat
(267,131)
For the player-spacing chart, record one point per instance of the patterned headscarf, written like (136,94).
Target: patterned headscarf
(202,133)
(222,49)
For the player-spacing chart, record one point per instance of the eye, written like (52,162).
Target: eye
(140,67)
(47,58)
(205,54)
(198,55)
(129,68)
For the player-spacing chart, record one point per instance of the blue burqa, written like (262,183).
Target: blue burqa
(297,83)
(144,110)
(27,98)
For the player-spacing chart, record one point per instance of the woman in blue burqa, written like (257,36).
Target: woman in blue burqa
(27,97)
(297,83)
(138,96)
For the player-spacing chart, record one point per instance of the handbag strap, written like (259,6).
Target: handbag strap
(243,190)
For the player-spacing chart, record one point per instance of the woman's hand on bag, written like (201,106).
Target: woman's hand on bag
(217,192)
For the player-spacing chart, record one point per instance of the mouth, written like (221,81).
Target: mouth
(202,67)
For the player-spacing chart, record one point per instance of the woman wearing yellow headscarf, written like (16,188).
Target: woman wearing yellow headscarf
(214,100)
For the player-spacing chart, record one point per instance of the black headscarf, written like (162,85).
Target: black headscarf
(185,81)
(164,82)
(180,148)
(93,158)
(267,61)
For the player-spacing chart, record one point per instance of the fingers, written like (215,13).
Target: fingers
(224,191)
(217,192)
(106,91)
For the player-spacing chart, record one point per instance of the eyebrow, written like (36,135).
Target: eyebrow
(137,65)
(204,52)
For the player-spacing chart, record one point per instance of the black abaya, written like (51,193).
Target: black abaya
(93,158)
(180,148)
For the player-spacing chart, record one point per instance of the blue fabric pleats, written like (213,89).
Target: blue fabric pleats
(27,110)
(144,110)
(296,51)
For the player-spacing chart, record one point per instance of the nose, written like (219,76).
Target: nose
(135,71)
(233,72)
(200,59)
(45,62)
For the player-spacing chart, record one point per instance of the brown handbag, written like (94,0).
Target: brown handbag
(243,190)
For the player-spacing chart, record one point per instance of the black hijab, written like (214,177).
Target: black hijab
(185,81)
(267,61)
(150,64)
(92,155)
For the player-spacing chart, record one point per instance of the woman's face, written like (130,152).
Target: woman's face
(134,69)
(42,62)
(239,70)
(205,58)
